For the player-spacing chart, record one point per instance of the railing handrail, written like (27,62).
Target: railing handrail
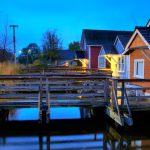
(131,80)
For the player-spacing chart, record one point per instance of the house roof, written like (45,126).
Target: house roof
(110,49)
(69,55)
(124,38)
(148,23)
(104,38)
(144,33)
(66,54)
(80,54)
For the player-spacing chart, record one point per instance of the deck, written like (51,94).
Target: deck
(73,88)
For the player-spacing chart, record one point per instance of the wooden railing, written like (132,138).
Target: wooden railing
(65,70)
(74,90)
(121,103)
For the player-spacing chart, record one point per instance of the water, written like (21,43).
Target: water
(73,133)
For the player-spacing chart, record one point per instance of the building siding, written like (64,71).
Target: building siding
(140,54)
(137,41)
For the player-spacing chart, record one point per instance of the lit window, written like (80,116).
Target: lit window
(101,62)
(139,68)
(121,64)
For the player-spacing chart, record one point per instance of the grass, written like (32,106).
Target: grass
(7,68)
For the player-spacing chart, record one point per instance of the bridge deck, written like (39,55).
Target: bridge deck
(80,90)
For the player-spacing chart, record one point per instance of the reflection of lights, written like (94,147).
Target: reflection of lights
(80,97)
(66,64)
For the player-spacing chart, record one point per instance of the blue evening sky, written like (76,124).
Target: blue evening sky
(69,17)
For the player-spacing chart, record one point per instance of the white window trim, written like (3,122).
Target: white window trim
(121,71)
(135,61)
(104,66)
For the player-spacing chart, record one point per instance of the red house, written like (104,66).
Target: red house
(93,41)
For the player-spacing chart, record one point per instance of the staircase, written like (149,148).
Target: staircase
(118,107)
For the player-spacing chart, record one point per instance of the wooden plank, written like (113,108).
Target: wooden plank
(137,88)
(132,80)
(55,88)
(136,97)
(122,94)
(77,95)
(19,95)
(55,103)
(36,77)
(106,90)
(128,120)
(119,119)
(19,88)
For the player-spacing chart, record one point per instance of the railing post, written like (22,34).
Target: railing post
(114,93)
(122,93)
(41,88)
(47,93)
(40,99)
(106,90)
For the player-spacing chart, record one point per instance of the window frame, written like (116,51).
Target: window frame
(104,65)
(121,64)
(135,68)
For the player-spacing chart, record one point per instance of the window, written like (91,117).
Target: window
(101,62)
(139,68)
(121,64)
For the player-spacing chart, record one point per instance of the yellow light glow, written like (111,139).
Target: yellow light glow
(84,62)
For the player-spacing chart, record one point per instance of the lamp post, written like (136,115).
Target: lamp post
(29,51)
(14,40)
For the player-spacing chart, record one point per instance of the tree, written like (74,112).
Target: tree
(74,45)
(51,43)
(5,51)
(5,38)
(29,54)
(5,55)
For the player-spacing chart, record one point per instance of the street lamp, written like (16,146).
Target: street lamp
(14,40)
(28,52)
(20,51)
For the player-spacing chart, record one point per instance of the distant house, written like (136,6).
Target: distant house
(64,55)
(72,58)
(116,62)
(97,43)
(138,50)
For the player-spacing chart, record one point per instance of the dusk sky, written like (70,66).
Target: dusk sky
(69,17)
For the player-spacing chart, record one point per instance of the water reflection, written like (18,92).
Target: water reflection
(22,114)
(65,113)
(115,141)
(107,140)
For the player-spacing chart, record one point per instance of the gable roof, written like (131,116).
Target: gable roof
(66,54)
(148,23)
(103,38)
(124,38)
(69,55)
(144,33)
(80,54)
(110,49)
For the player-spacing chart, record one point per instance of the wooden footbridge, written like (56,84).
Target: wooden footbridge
(81,89)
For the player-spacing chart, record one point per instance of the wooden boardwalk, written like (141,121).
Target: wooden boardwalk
(80,89)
